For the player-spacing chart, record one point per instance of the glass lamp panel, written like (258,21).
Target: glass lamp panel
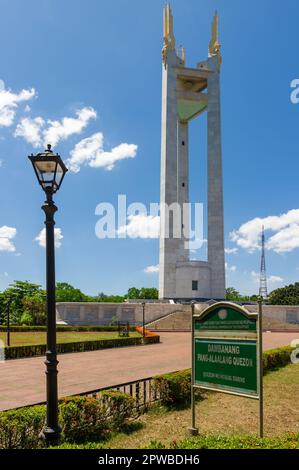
(59,174)
(45,166)
(46,172)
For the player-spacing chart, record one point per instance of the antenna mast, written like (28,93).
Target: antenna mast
(263,292)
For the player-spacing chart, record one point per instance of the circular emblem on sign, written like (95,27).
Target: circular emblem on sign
(222,314)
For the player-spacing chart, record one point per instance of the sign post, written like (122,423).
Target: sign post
(261,392)
(193,429)
(227,353)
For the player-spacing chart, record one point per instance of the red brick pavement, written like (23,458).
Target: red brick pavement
(22,381)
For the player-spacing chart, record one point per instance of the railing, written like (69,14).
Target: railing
(141,390)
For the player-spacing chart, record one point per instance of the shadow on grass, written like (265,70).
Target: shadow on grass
(131,427)
(160,408)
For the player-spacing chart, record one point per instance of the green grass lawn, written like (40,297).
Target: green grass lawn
(39,337)
(224,421)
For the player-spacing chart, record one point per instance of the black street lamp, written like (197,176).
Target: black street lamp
(9,300)
(50,170)
(143,319)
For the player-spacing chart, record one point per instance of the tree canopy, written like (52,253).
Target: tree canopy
(28,300)
(288,295)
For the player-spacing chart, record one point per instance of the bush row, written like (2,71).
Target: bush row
(17,352)
(63,328)
(81,419)
(175,388)
(150,337)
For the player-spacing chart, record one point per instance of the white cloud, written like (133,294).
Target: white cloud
(6,236)
(30,130)
(275,279)
(41,237)
(270,279)
(89,151)
(151,269)
(9,102)
(141,226)
(37,132)
(285,238)
(230,268)
(230,251)
(61,130)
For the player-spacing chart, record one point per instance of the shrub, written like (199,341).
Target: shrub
(150,337)
(173,388)
(16,352)
(82,419)
(63,328)
(20,429)
(119,407)
(275,358)
(26,318)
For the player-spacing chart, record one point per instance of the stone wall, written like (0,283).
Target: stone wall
(284,313)
(91,313)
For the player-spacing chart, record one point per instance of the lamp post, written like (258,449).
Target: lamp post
(143,319)
(8,320)
(50,171)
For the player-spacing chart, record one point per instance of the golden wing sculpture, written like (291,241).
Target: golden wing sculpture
(214,45)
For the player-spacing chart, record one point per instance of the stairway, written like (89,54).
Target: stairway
(179,320)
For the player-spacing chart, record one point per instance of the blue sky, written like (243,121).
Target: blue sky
(98,63)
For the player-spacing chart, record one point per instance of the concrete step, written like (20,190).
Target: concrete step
(179,320)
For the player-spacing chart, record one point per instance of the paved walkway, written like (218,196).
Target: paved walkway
(22,381)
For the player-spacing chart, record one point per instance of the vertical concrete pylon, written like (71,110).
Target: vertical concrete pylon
(183,186)
(215,191)
(168,187)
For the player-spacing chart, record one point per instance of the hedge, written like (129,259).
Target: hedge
(20,429)
(175,388)
(62,328)
(275,358)
(150,337)
(81,419)
(18,352)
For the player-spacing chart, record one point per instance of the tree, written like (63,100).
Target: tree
(149,293)
(142,293)
(288,295)
(231,293)
(34,309)
(15,294)
(133,293)
(67,293)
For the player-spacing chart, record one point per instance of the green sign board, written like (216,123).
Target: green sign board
(227,365)
(225,319)
(225,352)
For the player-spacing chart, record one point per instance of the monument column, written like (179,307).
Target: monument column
(215,192)
(183,186)
(169,246)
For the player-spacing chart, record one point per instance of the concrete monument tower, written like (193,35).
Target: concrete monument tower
(188,93)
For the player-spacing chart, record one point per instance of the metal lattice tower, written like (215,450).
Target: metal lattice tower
(263,292)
